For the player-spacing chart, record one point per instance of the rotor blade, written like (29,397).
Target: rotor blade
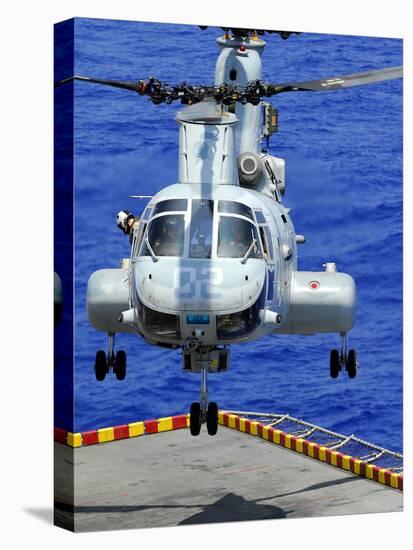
(338,82)
(133,86)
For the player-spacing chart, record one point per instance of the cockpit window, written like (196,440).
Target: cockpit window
(235,237)
(171,205)
(200,243)
(137,240)
(166,236)
(146,214)
(231,207)
(260,217)
(269,242)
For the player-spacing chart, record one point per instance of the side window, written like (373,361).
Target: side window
(137,240)
(269,242)
(260,217)
(264,243)
(146,214)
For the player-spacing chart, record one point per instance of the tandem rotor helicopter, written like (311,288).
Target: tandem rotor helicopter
(214,257)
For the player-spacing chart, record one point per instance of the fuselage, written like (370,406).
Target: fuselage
(207,264)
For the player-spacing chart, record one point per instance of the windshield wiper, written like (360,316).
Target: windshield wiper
(154,257)
(248,253)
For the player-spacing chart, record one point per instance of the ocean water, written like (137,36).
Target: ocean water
(343,154)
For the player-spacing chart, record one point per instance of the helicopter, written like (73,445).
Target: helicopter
(214,256)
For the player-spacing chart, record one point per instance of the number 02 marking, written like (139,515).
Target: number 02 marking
(192,283)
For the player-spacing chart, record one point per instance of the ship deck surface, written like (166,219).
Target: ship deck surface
(173,478)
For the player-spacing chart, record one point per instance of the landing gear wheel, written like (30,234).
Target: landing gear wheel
(212,418)
(334,363)
(101,366)
(351,364)
(120,365)
(195,419)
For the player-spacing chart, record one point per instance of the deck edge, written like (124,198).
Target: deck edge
(310,449)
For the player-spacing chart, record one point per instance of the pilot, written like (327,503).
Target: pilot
(239,241)
(127,223)
(170,241)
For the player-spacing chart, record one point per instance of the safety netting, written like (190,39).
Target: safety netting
(345,444)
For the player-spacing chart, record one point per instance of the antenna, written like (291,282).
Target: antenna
(140,196)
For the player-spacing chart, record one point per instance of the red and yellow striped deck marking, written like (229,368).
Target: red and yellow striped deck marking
(125,431)
(244,425)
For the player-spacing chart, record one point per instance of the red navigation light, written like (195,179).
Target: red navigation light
(314,285)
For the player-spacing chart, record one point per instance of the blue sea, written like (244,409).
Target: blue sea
(343,154)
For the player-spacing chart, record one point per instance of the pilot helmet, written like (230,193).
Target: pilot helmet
(122,219)
(171,224)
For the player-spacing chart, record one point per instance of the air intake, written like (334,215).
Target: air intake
(250,169)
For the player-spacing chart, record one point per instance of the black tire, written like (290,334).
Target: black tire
(212,418)
(334,363)
(120,365)
(195,419)
(101,366)
(351,364)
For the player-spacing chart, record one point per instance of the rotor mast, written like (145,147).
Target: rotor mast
(238,64)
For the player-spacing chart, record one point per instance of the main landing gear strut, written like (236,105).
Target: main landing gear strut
(203,411)
(116,362)
(341,359)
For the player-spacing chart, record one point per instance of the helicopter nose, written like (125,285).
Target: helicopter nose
(176,285)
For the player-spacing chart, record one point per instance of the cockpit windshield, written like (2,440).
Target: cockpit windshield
(166,235)
(232,207)
(200,244)
(178,227)
(235,237)
(170,205)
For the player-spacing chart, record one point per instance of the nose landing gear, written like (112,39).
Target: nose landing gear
(116,362)
(341,359)
(203,412)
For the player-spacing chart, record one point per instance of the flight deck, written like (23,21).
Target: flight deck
(250,470)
